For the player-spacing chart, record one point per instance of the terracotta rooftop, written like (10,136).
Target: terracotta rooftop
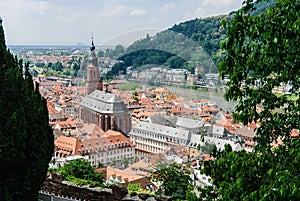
(67,145)
(109,171)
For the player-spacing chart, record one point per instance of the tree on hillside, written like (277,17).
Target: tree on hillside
(262,54)
(26,139)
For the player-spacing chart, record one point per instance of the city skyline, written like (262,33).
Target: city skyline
(56,22)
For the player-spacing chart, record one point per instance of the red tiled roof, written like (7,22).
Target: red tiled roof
(67,145)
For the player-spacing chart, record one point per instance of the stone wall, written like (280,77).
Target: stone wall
(55,185)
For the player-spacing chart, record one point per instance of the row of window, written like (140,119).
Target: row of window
(156,141)
(111,153)
(116,158)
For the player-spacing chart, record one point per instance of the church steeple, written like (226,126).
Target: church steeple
(93,61)
(92,48)
(92,73)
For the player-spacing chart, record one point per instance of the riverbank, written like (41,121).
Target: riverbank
(210,94)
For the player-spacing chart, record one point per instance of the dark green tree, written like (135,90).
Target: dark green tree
(175,181)
(57,66)
(49,65)
(82,169)
(40,65)
(100,53)
(26,139)
(262,53)
(119,50)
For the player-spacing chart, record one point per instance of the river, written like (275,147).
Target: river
(213,96)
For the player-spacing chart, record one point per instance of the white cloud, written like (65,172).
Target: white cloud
(65,21)
(167,7)
(138,12)
(217,3)
(113,11)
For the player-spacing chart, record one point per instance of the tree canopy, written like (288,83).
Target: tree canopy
(26,139)
(261,55)
(174,180)
(82,169)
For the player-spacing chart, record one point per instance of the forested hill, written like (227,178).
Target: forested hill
(185,45)
(208,33)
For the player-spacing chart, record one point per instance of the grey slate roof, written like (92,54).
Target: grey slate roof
(188,123)
(220,143)
(175,122)
(161,120)
(218,130)
(178,133)
(102,102)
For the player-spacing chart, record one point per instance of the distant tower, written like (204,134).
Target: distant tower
(92,71)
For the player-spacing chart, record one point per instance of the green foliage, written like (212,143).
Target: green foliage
(135,98)
(100,165)
(128,86)
(118,68)
(207,32)
(175,181)
(100,53)
(170,49)
(81,172)
(39,65)
(207,147)
(134,188)
(116,52)
(135,93)
(152,56)
(262,48)
(124,162)
(186,45)
(57,66)
(26,139)
(273,40)
(82,169)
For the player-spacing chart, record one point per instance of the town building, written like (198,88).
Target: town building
(100,107)
(160,134)
(106,110)
(111,148)
(151,138)
(191,79)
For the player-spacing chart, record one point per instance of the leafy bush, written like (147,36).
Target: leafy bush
(80,172)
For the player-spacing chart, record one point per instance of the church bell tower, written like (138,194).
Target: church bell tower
(92,71)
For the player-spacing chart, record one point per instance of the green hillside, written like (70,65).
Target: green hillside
(186,45)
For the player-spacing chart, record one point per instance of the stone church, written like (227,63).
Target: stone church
(100,107)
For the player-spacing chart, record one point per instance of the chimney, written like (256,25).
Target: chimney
(106,88)
(100,84)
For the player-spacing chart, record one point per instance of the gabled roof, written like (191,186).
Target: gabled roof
(118,175)
(188,123)
(69,144)
(161,120)
(175,122)
(220,143)
(108,139)
(102,102)
(163,130)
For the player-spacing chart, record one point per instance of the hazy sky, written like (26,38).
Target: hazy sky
(68,22)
